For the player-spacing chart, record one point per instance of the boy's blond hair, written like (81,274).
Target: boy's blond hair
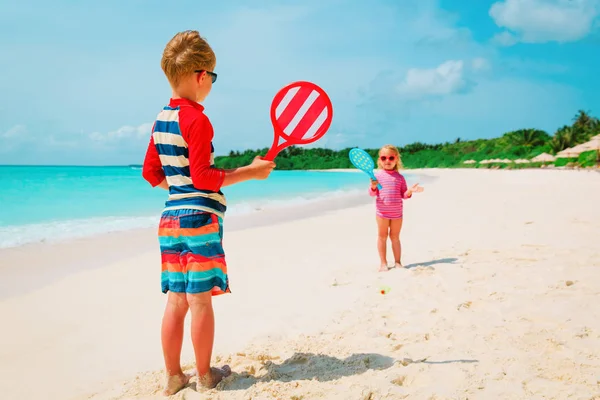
(186,52)
(394,150)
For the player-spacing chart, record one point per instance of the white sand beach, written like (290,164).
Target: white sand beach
(498,300)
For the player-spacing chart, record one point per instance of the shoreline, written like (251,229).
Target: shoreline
(131,242)
(274,206)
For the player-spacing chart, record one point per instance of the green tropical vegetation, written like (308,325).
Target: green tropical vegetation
(520,144)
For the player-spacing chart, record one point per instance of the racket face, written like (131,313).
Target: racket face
(361,160)
(301,112)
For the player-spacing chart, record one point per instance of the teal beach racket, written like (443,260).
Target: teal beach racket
(363,161)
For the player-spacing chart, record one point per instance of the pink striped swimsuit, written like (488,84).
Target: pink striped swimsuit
(389,199)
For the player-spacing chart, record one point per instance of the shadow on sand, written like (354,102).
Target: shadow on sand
(451,362)
(450,260)
(308,366)
(323,368)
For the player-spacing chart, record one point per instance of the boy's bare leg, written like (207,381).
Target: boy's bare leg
(203,334)
(395,227)
(215,376)
(172,341)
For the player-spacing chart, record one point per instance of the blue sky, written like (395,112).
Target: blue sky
(81,83)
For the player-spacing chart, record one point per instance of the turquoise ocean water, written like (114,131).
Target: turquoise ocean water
(47,203)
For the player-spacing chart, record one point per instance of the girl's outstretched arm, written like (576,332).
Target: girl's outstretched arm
(413,189)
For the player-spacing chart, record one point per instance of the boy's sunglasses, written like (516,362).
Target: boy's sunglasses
(212,74)
(383,158)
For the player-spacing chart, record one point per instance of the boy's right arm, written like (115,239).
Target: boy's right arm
(152,170)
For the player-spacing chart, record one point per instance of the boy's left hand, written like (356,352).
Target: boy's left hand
(261,167)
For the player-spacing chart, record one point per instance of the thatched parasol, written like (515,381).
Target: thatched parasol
(544,157)
(572,152)
(592,144)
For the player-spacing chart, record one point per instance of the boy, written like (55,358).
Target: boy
(180,158)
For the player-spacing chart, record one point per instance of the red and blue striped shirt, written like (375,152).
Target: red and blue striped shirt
(181,152)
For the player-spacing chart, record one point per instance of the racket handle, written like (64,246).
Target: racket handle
(372,175)
(271,154)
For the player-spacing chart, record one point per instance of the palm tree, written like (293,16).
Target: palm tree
(564,137)
(585,125)
(528,137)
(582,119)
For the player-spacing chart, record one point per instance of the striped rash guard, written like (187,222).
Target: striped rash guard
(181,151)
(389,201)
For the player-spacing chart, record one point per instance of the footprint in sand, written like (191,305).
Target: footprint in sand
(399,381)
(585,332)
(497,296)
(422,269)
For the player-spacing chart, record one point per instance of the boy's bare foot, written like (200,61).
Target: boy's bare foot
(398,265)
(175,383)
(383,268)
(215,376)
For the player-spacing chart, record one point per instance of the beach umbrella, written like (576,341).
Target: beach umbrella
(593,144)
(544,157)
(572,152)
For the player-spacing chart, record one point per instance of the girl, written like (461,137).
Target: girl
(389,202)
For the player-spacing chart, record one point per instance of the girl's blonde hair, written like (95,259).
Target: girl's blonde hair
(394,150)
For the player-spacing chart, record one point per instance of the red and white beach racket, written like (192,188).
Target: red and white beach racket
(301,113)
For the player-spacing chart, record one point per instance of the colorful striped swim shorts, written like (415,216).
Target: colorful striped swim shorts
(191,248)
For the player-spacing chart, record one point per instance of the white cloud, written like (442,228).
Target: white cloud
(16,131)
(17,136)
(505,38)
(445,79)
(541,21)
(125,132)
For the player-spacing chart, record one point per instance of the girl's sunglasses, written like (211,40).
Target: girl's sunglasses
(383,158)
(212,74)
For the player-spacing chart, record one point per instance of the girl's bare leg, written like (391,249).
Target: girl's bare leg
(395,227)
(383,226)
